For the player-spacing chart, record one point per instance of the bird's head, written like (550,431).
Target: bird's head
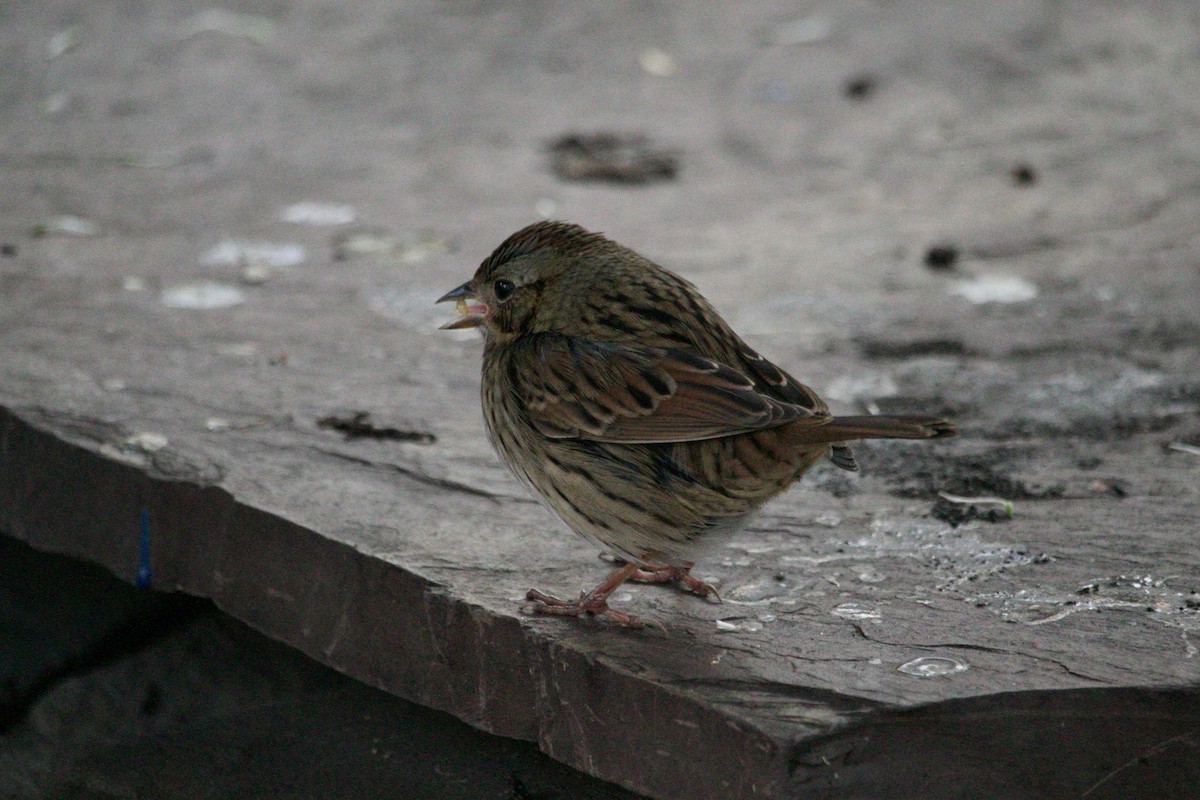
(520,288)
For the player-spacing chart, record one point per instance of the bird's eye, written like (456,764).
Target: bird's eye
(504,289)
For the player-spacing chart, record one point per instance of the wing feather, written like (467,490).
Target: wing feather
(611,392)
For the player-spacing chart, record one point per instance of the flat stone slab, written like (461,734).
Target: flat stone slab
(118,692)
(214,379)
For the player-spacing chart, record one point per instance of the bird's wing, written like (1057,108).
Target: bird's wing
(778,383)
(610,392)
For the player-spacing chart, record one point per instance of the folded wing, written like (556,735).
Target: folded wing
(619,393)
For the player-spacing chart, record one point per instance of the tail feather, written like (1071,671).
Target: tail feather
(846,429)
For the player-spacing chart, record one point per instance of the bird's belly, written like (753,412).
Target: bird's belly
(638,501)
(621,498)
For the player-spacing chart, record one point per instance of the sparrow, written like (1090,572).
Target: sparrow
(623,400)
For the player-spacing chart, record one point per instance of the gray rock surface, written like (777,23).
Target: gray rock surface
(153,155)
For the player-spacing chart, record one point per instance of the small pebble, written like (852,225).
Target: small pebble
(932,667)
(420,246)
(63,42)
(242,350)
(859,88)
(257,28)
(751,625)
(1110,486)
(203,296)
(234,253)
(147,442)
(55,103)
(256,274)
(1024,175)
(995,289)
(68,225)
(941,257)
(807,30)
(613,157)
(857,611)
(313,213)
(363,242)
(658,63)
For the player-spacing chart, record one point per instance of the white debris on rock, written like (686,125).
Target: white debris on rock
(995,289)
(203,296)
(313,213)
(233,253)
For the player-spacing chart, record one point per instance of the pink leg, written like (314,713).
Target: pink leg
(667,573)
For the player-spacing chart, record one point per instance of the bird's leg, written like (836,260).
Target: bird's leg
(593,603)
(668,573)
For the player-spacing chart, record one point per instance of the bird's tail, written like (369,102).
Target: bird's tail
(847,429)
(840,430)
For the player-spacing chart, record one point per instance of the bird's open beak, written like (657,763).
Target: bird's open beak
(472,311)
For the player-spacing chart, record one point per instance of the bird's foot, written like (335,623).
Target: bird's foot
(667,573)
(589,604)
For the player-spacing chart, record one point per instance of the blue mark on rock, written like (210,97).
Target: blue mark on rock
(142,581)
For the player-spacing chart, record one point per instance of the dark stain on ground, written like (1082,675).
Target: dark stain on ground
(1098,427)
(1024,175)
(611,157)
(884,348)
(923,472)
(1180,393)
(1165,335)
(1143,345)
(941,256)
(924,406)
(956,514)
(1110,486)
(359,426)
(860,87)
